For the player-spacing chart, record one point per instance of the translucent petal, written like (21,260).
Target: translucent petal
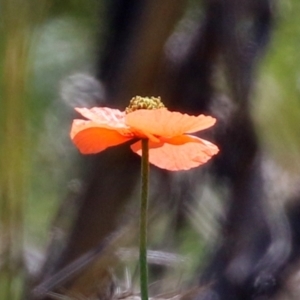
(179,153)
(114,118)
(161,122)
(79,125)
(92,139)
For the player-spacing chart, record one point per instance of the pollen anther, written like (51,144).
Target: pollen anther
(144,103)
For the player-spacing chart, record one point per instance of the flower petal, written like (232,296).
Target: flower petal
(162,122)
(179,153)
(104,115)
(90,138)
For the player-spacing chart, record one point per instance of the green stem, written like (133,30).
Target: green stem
(143,220)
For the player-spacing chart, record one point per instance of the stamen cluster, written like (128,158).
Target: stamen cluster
(138,102)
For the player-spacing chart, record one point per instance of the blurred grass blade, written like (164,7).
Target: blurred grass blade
(15,27)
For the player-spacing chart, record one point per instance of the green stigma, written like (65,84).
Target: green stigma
(143,103)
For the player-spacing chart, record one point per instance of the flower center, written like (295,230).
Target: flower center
(143,103)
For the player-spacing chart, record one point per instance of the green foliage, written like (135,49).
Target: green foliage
(277,109)
(62,44)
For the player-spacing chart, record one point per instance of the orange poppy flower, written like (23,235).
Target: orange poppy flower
(170,145)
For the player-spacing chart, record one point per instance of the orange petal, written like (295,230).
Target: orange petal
(162,122)
(113,118)
(179,153)
(103,117)
(95,139)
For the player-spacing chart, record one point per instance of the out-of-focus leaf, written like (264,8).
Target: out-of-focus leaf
(277,109)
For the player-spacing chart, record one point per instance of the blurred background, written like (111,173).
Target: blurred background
(229,230)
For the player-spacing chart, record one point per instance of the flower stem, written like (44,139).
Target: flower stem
(143,220)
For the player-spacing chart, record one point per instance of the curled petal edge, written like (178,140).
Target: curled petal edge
(179,153)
